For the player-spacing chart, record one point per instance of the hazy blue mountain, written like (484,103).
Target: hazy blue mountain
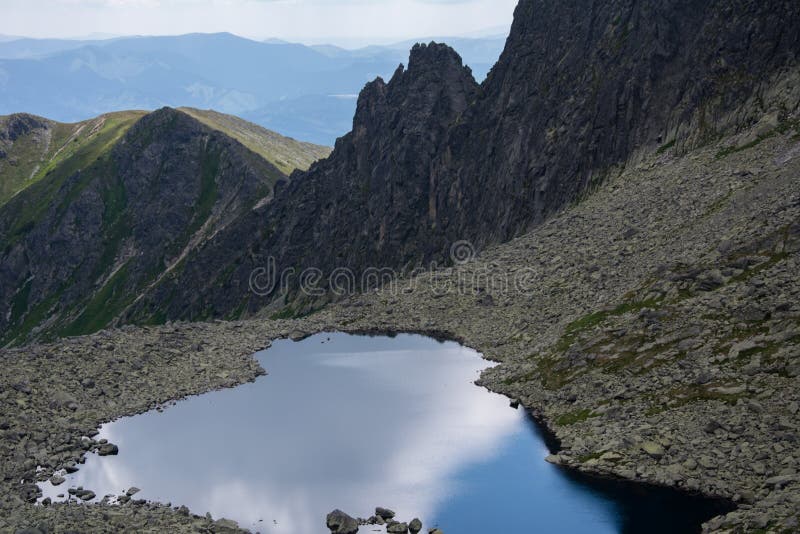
(25,48)
(301,91)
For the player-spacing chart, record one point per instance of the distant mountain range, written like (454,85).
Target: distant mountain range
(306,92)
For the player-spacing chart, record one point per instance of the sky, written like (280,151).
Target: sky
(343,22)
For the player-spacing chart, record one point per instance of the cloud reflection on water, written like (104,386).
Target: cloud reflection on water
(351,424)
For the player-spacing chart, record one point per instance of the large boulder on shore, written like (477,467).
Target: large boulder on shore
(384,513)
(340,523)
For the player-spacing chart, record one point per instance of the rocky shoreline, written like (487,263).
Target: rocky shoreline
(655,331)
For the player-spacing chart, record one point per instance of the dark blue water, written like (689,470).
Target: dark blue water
(356,422)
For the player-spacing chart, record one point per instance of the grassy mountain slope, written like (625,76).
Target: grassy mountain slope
(285,153)
(117,216)
(31,147)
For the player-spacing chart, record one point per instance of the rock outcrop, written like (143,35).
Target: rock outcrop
(585,86)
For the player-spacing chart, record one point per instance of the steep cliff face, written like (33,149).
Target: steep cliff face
(80,245)
(582,86)
(366,205)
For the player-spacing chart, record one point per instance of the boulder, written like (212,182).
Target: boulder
(384,513)
(107,449)
(654,450)
(339,522)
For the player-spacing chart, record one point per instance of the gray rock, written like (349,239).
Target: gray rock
(415,526)
(107,449)
(339,522)
(653,449)
(397,528)
(384,513)
(87,383)
(780,481)
(298,335)
(85,495)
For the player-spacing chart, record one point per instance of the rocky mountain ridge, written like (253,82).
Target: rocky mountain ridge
(31,146)
(434,158)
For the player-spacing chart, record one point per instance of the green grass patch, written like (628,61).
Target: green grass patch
(727,151)
(592,320)
(109,301)
(19,304)
(783,128)
(573,418)
(35,316)
(692,394)
(588,457)
(285,313)
(663,148)
(63,179)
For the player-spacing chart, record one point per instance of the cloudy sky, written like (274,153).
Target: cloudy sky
(342,21)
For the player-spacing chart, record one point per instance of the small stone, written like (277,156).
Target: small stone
(132,491)
(57,480)
(654,450)
(71,468)
(85,495)
(554,459)
(707,462)
(415,526)
(87,383)
(108,449)
(397,528)
(780,481)
(298,335)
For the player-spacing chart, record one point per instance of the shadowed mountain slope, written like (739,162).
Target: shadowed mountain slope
(78,246)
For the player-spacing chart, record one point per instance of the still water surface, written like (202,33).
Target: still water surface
(354,422)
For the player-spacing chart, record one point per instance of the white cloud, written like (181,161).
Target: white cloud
(308,20)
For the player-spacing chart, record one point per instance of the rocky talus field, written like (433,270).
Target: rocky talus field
(653,326)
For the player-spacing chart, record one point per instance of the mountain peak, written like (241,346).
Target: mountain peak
(434,89)
(433,54)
